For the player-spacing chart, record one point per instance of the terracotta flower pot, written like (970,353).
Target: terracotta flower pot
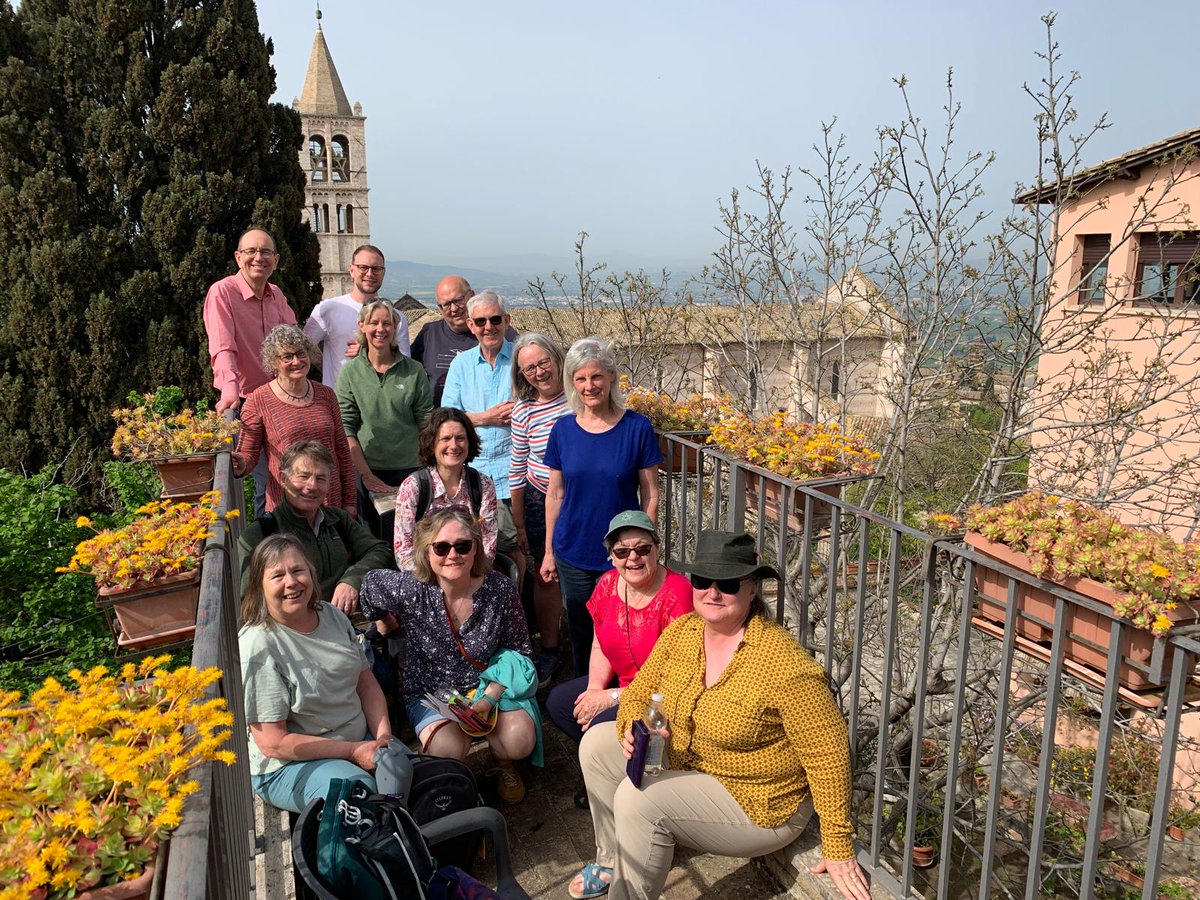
(186,478)
(1086,632)
(157,612)
(680,460)
(773,494)
(134,889)
(924,856)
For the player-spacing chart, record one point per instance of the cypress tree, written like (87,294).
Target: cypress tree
(139,141)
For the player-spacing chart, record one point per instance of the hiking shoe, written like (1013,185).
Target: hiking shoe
(546,664)
(509,785)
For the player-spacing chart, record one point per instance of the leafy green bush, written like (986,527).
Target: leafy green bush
(134,484)
(48,623)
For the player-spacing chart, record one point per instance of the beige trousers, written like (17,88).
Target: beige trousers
(637,830)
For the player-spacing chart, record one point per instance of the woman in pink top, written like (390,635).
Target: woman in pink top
(631,606)
(290,408)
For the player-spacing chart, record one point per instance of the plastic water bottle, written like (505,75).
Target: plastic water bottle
(656,748)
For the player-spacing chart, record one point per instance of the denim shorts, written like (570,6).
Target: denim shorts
(535,521)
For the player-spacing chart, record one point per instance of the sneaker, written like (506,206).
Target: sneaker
(509,786)
(546,664)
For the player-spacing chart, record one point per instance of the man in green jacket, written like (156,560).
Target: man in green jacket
(342,549)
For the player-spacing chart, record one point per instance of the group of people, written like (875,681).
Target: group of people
(508,461)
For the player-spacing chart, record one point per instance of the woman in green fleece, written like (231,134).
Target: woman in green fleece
(384,398)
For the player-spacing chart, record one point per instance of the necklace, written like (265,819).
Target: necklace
(628,626)
(300,399)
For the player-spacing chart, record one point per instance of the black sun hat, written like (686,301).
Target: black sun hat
(727,554)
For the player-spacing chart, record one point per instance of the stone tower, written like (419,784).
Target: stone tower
(334,156)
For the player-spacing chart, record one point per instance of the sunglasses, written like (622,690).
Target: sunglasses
(639,550)
(480,321)
(728,586)
(443,548)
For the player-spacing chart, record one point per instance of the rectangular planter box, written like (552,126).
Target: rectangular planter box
(822,512)
(157,613)
(1086,633)
(186,478)
(680,460)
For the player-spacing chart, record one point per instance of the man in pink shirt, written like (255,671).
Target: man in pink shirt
(238,313)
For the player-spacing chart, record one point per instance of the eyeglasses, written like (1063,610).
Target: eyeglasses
(374,270)
(288,357)
(257,251)
(728,586)
(480,321)
(443,548)
(450,304)
(533,368)
(638,550)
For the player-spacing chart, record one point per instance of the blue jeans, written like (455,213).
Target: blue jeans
(560,705)
(577,586)
(298,784)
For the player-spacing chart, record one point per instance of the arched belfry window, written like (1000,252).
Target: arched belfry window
(317,161)
(316,218)
(349,219)
(341,219)
(341,158)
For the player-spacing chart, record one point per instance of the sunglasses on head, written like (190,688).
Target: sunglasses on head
(443,548)
(639,550)
(724,585)
(480,321)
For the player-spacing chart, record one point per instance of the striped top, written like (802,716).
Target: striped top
(531,424)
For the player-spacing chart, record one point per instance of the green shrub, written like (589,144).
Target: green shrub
(48,623)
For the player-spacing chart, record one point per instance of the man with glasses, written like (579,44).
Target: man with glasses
(334,322)
(479,382)
(443,339)
(238,312)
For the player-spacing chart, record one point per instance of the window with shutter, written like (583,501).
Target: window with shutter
(1093,273)
(1168,268)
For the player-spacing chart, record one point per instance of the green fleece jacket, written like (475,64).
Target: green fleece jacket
(337,559)
(385,414)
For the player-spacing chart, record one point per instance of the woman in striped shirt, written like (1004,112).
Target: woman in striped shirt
(538,390)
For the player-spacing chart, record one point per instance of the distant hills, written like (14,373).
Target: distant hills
(420,279)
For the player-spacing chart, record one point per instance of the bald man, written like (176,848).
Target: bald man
(440,341)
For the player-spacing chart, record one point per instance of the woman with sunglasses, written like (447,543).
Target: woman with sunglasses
(540,402)
(756,742)
(459,615)
(603,460)
(292,407)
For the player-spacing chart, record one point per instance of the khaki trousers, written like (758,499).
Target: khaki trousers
(637,830)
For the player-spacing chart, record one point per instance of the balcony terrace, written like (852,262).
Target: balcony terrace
(1030,774)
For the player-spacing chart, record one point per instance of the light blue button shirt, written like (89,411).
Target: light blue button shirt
(474,386)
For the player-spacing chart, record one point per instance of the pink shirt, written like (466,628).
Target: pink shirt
(237,322)
(627,642)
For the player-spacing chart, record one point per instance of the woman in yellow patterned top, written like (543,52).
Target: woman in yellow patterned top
(756,742)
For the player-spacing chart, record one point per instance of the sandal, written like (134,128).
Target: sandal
(593,884)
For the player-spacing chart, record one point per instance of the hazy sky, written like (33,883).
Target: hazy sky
(503,129)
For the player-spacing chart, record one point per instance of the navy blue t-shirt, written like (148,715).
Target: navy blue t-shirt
(600,479)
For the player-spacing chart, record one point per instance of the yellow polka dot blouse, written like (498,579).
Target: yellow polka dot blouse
(768,730)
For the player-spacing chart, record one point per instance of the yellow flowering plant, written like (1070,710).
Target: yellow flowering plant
(1065,538)
(796,450)
(159,425)
(667,414)
(93,779)
(163,539)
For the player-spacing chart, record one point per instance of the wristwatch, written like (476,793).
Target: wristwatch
(615,693)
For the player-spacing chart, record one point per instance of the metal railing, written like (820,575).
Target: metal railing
(209,855)
(1032,775)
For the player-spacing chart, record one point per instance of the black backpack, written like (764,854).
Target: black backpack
(440,787)
(425,491)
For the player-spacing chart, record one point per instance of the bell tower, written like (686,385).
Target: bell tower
(334,160)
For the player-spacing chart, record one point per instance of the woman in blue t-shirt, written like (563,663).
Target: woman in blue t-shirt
(603,460)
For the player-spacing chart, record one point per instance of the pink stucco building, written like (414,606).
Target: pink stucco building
(1116,408)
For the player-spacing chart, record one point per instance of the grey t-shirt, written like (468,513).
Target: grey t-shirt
(308,680)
